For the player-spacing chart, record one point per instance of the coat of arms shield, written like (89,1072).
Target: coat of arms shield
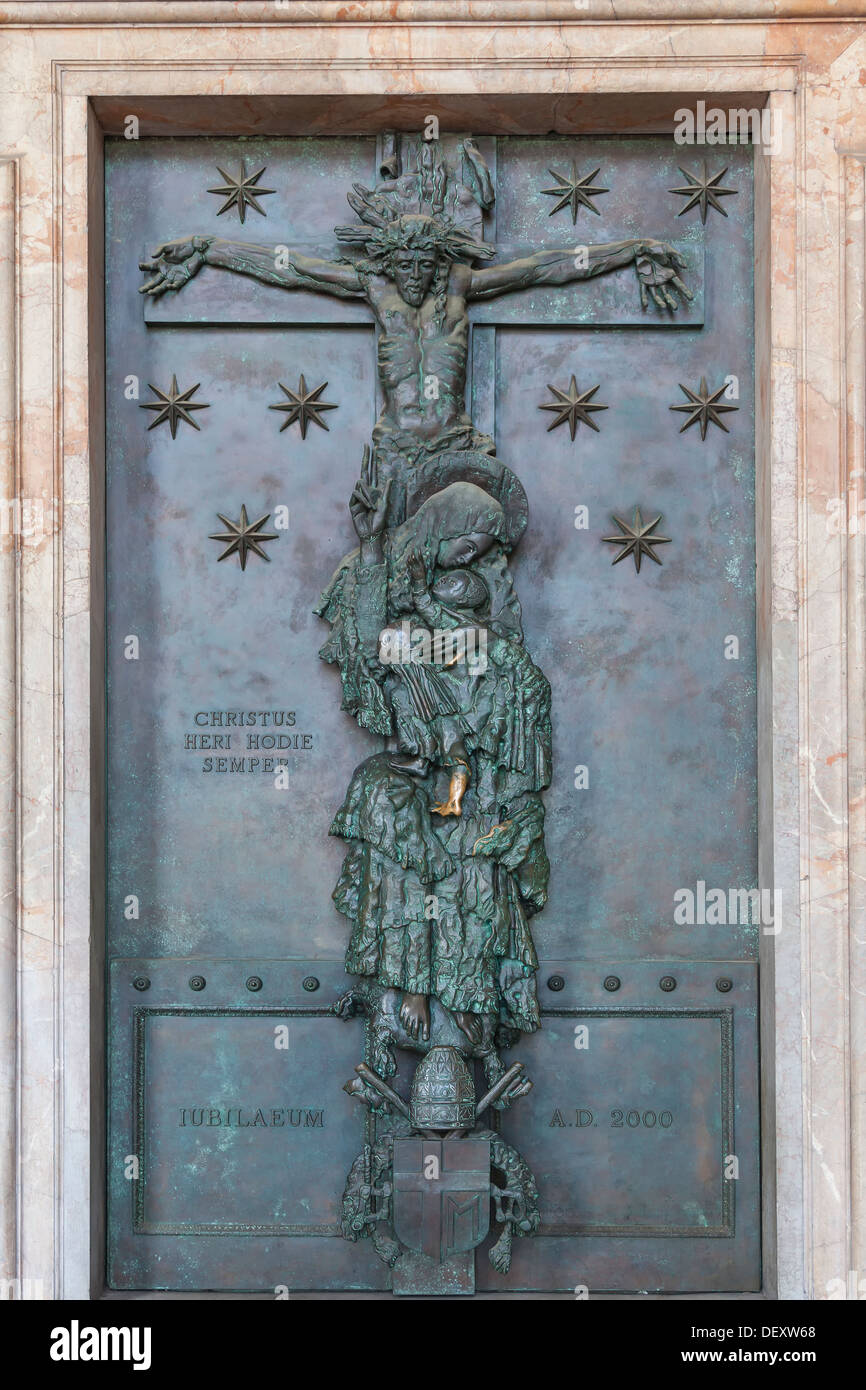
(441,1194)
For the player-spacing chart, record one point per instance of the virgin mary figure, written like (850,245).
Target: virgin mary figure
(486,870)
(460,525)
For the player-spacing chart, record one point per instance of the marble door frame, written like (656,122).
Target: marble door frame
(76,70)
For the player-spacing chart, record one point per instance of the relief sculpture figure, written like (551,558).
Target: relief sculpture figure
(445,864)
(481,725)
(419,238)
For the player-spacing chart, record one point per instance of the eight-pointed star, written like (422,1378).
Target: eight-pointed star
(302,405)
(242,191)
(703,192)
(703,407)
(636,540)
(242,536)
(573,407)
(573,192)
(173,406)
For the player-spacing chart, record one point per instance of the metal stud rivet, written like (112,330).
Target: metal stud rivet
(667,983)
(556,983)
(141,983)
(724,985)
(254,984)
(311,984)
(612,983)
(197,982)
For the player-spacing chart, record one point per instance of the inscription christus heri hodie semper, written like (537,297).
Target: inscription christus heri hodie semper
(258,742)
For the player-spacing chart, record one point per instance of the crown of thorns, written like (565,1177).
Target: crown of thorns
(416,232)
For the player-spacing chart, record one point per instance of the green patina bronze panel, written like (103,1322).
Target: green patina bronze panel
(355,794)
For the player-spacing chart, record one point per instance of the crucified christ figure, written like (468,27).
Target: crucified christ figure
(416,273)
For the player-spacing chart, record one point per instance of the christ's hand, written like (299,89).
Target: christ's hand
(657,264)
(174,263)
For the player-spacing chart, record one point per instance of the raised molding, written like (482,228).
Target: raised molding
(812,580)
(9,541)
(197,13)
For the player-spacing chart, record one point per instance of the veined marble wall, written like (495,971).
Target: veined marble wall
(71,71)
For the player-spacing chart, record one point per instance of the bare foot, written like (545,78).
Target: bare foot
(454,805)
(415,1016)
(470,1024)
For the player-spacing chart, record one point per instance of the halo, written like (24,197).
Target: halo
(471,466)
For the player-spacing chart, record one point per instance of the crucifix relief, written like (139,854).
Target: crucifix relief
(446,863)
(419,267)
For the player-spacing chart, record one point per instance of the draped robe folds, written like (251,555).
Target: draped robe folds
(430,916)
(432,910)
(500,706)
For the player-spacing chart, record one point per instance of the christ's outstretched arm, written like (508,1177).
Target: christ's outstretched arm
(176,262)
(657,265)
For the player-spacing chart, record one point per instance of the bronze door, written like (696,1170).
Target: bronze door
(605,351)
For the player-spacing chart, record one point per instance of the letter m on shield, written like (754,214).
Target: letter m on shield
(445,1215)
